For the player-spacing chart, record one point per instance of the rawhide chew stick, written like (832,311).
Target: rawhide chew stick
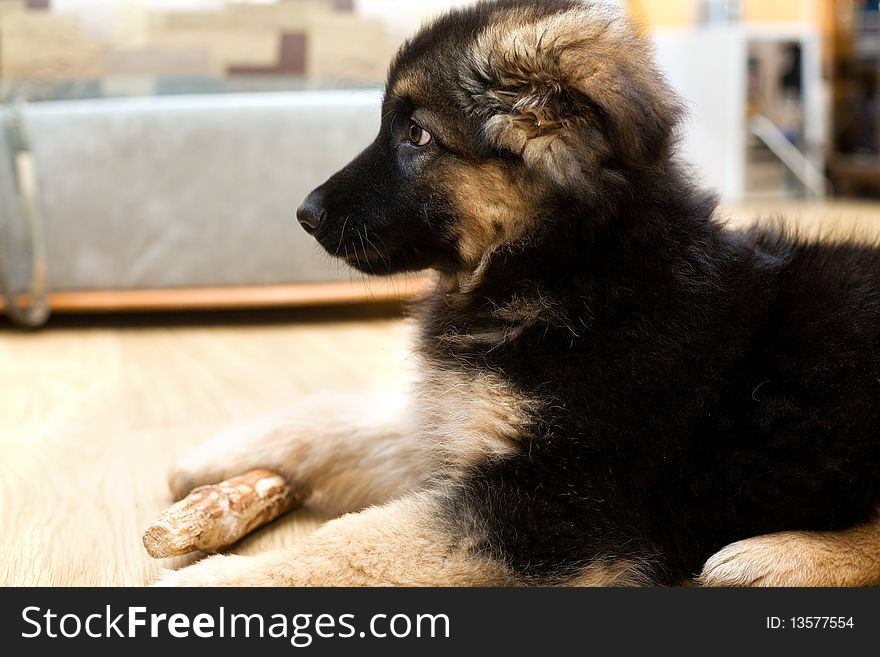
(213,517)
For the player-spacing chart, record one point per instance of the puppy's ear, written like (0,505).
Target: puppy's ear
(571,93)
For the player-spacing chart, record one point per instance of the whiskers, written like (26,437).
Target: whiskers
(342,236)
(367,254)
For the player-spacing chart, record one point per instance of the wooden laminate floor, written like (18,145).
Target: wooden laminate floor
(91,417)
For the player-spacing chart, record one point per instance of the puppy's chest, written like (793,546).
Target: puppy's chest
(468,415)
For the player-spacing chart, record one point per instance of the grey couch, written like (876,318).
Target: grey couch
(187,191)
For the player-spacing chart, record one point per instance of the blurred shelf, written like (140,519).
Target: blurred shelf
(853,173)
(854,165)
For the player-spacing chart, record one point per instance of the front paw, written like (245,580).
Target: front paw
(784,559)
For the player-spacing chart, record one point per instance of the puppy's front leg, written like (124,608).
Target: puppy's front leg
(408,542)
(344,451)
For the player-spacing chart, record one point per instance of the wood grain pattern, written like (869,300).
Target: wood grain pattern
(93,418)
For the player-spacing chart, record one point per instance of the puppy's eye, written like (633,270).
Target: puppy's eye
(416,135)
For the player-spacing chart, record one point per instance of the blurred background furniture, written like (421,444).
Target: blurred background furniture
(722,121)
(854,164)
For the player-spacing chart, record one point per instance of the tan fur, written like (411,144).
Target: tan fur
(349,451)
(346,451)
(399,544)
(612,573)
(844,558)
(459,284)
(469,417)
(406,86)
(493,208)
(522,70)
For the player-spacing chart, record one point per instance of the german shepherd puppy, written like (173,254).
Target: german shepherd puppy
(614,387)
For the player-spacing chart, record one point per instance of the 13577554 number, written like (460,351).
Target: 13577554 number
(810,623)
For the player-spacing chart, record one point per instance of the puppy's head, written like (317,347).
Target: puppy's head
(496,120)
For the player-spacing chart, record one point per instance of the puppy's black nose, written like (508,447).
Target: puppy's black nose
(311,213)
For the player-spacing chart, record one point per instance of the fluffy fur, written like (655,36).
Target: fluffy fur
(614,386)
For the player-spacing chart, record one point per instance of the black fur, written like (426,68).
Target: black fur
(699,385)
